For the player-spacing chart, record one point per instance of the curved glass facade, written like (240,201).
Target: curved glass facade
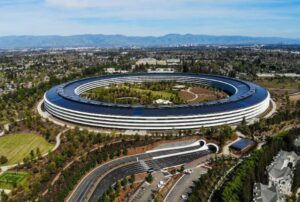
(246,100)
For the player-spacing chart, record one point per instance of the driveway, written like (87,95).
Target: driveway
(183,185)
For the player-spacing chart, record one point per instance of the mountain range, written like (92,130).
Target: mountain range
(110,41)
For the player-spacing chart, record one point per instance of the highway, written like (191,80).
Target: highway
(95,183)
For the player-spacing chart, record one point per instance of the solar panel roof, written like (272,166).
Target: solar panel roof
(248,95)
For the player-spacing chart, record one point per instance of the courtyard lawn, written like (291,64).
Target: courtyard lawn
(9,179)
(163,94)
(17,146)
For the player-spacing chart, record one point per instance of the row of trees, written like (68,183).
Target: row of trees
(113,192)
(206,183)
(264,124)
(240,187)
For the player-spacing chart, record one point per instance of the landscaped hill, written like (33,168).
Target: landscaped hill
(18,146)
(10,42)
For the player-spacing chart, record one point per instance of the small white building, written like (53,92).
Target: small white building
(162,102)
(112,70)
(173,62)
(144,61)
(161,70)
(273,75)
(151,61)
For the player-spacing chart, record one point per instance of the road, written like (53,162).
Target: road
(96,182)
(183,185)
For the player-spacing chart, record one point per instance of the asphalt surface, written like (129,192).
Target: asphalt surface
(81,192)
(183,186)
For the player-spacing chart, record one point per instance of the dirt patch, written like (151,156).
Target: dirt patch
(200,94)
(281,92)
(295,98)
(184,95)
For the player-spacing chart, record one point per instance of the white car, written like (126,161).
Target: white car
(188,171)
(160,186)
(184,197)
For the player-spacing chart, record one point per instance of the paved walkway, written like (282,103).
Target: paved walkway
(194,94)
(272,111)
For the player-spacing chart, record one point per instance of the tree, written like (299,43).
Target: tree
(38,153)
(181,168)
(52,167)
(118,186)
(3,196)
(3,159)
(132,179)
(124,182)
(149,178)
(32,155)
(125,151)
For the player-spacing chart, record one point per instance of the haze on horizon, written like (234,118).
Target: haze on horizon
(151,17)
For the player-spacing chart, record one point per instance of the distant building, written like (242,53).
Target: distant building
(112,70)
(280,176)
(161,70)
(151,62)
(144,61)
(173,62)
(272,75)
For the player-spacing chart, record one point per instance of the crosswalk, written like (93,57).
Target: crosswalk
(145,166)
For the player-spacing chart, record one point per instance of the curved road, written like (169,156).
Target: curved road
(95,183)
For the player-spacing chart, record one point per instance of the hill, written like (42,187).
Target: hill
(110,41)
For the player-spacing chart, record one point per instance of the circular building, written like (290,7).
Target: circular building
(245,100)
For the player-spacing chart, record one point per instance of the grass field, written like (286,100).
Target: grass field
(162,93)
(129,94)
(9,180)
(282,83)
(17,146)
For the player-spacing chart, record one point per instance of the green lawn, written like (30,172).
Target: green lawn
(137,94)
(9,180)
(17,146)
(163,94)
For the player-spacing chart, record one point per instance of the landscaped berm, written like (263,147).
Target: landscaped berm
(16,147)
(9,180)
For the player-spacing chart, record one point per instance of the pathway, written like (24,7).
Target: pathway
(194,94)
(58,136)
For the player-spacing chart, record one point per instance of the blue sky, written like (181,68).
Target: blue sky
(150,17)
